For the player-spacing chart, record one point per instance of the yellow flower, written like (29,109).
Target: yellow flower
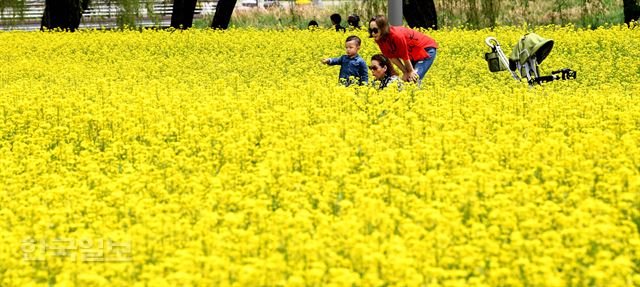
(232,158)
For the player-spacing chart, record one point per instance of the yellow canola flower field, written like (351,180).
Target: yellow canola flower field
(233,158)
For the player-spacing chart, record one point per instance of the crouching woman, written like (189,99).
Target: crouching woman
(383,72)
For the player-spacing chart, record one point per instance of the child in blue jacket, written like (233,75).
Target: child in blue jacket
(352,66)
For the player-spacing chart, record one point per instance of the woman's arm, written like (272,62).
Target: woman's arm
(399,64)
(411,75)
(399,38)
(408,73)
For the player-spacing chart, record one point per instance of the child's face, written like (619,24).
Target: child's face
(352,48)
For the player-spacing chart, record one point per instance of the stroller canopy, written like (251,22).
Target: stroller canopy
(530,50)
(529,45)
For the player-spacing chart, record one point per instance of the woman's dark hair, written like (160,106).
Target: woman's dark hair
(384,62)
(383,25)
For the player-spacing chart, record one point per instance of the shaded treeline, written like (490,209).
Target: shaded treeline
(66,14)
(489,13)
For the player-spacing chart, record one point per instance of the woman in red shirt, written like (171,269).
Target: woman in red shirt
(410,50)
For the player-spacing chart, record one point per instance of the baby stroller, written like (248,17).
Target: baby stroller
(530,51)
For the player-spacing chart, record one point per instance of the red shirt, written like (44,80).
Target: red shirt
(407,44)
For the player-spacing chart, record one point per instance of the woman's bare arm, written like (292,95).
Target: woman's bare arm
(408,73)
(399,64)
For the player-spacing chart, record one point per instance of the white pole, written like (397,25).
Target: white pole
(395,12)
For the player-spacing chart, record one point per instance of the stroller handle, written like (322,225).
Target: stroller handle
(488,41)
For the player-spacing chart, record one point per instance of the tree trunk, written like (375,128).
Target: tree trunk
(631,11)
(490,10)
(473,19)
(62,14)
(420,13)
(222,17)
(176,13)
(182,13)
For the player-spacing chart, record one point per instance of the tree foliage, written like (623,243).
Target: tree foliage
(631,11)
(420,13)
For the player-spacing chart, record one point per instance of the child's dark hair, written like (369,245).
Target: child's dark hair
(354,38)
(354,20)
(335,18)
(313,23)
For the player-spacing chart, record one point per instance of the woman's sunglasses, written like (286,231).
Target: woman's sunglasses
(374,68)
(373,31)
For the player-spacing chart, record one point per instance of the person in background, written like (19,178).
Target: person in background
(411,51)
(383,72)
(352,66)
(312,25)
(336,19)
(354,21)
